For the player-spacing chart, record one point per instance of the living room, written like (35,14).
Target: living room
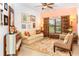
(40,29)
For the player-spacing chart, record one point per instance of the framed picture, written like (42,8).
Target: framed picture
(6,6)
(33,25)
(1,12)
(25,18)
(32,18)
(5,20)
(23,26)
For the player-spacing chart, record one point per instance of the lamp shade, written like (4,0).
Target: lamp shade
(70,29)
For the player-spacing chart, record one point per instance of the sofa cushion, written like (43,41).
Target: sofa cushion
(39,35)
(32,37)
(32,32)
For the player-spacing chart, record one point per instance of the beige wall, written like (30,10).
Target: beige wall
(71,11)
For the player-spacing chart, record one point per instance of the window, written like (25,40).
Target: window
(55,25)
(51,26)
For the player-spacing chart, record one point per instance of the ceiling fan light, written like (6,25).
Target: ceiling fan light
(45,7)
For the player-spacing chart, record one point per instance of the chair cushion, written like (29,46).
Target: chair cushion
(66,38)
(61,44)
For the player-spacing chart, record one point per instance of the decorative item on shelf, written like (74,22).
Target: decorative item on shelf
(6,6)
(5,20)
(12,29)
(15,30)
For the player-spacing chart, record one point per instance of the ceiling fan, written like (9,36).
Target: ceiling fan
(47,5)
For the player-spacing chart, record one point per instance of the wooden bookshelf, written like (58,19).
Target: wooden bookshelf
(65,23)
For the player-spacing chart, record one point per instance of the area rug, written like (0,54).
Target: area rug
(46,46)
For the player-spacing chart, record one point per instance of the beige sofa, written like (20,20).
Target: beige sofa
(32,38)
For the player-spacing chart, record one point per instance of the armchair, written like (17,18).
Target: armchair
(65,45)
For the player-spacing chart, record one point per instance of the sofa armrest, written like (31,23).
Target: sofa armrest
(18,44)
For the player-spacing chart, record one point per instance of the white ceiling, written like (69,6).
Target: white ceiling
(37,6)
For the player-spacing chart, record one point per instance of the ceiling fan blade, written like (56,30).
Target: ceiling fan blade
(38,6)
(44,4)
(50,3)
(50,7)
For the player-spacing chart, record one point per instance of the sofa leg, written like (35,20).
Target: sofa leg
(70,53)
(54,48)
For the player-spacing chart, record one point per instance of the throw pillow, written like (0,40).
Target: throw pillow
(62,36)
(38,31)
(27,33)
(66,38)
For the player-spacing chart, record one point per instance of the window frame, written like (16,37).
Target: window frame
(55,31)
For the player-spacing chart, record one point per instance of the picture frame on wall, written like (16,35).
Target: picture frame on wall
(1,13)
(29,26)
(5,20)
(32,18)
(6,6)
(23,26)
(25,18)
(33,25)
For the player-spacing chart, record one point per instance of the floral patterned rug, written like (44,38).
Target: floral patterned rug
(45,46)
